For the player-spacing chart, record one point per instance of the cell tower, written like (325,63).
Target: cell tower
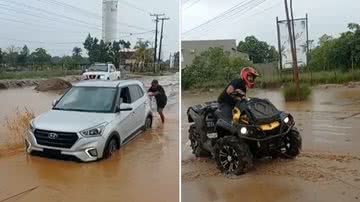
(109,20)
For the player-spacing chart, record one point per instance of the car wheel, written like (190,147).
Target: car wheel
(195,143)
(148,123)
(233,156)
(292,144)
(108,78)
(111,147)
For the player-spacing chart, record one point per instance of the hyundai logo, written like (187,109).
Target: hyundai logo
(53,135)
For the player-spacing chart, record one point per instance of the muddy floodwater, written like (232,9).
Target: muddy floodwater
(146,169)
(327,170)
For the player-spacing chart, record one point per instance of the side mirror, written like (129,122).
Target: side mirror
(123,107)
(54,102)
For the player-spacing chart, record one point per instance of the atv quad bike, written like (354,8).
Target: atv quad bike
(256,129)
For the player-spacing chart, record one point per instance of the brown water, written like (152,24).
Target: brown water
(327,170)
(145,169)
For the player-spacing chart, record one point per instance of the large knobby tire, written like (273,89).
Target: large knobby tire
(233,156)
(293,144)
(111,147)
(195,141)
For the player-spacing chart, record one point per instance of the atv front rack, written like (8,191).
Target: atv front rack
(236,130)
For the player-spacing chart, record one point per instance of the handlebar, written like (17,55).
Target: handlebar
(238,94)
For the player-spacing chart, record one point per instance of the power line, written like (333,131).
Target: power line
(41,16)
(240,8)
(135,7)
(85,12)
(237,14)
(239,5)
(48,12)
(191,5)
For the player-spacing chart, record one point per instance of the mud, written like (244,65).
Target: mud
(328,169)
(14,83)
(145,169)
(53,84)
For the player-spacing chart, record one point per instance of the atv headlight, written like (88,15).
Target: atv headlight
(286,120)
(94,131)
(243,130)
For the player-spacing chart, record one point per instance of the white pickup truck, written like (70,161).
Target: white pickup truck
(101,71)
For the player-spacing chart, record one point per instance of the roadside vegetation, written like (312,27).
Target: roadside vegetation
(38,74)
(333,61)
(289,92)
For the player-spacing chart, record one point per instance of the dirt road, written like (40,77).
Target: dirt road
(146,169)
(327,170)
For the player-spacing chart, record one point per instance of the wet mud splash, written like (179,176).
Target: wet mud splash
(309,166)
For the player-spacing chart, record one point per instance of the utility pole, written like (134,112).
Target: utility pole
(161,36)
(279,43)
(293,47)
(156,32)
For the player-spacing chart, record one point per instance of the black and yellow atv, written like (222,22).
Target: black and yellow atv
(256,129)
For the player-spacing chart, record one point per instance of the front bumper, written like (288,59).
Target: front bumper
(80,149)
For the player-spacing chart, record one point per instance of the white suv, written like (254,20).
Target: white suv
(101,71)
(91,120)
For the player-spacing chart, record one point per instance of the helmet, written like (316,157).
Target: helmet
(249,74)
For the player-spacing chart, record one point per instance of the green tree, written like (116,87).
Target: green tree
(341,52)
(258,51)
(23,57)
(115,50)
(213,67)
(143,54)
(1,57)
(76,55)
(11,55)
(40,57)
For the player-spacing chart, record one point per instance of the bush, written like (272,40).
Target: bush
(291,95)
(212,69)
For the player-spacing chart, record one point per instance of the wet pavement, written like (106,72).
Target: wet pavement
(146,169)
(327,170)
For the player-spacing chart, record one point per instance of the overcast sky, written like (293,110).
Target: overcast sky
(34,23)
(325,16)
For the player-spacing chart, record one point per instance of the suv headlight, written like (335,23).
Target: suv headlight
(102,76)
(94,131)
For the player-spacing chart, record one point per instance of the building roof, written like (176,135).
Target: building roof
(226,44)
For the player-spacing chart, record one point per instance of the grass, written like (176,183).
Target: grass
(290,93)
(277,80)
(311,78)
(37,74)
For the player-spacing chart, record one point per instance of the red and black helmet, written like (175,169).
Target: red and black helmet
(249,74)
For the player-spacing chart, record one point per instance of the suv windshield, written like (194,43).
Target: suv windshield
(87,99)
(98,68)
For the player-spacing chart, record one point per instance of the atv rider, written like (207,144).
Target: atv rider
(226,100)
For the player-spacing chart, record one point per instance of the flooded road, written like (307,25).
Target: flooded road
(327,170)
(146,169)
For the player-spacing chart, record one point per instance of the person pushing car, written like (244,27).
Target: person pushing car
(226,100)
(158,92)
